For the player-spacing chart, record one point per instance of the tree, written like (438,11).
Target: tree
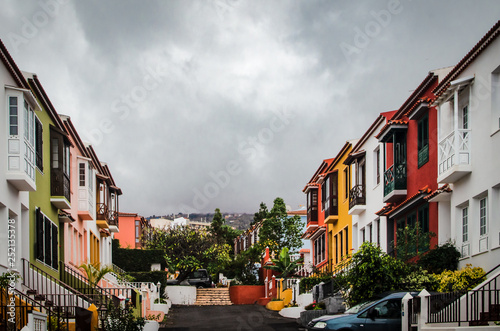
(260,215)
(223,234)
(217,224)
(279,230)
(371,272)
(187,250)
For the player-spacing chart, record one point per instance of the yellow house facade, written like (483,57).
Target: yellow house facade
(335,190)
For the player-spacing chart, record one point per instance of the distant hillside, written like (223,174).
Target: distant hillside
(238,221)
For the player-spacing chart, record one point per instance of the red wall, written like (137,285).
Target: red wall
(246,294)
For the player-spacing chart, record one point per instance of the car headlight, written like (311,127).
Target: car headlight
(320,325)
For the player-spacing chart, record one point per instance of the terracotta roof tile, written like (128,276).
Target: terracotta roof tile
(442,189)
(389,123)
(423,190)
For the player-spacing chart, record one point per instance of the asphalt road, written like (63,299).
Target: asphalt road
(230,318)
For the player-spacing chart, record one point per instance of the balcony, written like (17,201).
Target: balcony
(312,215)
(395,183)
(454,161)
(357,200)
(113,221)
(60,190)
(102,217)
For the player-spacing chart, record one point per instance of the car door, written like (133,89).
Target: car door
(384,316)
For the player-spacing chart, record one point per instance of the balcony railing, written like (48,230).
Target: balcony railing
(102,212)
(312,215)
(357,196)
(454,149)
(395,179)
(113,218)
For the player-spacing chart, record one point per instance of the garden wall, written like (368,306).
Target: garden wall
(246,294)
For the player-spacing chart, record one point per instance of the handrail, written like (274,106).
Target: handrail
(80,282)
(48,285)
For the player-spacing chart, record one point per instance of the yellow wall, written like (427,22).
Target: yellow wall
(340,228)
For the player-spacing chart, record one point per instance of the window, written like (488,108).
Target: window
(325,193)
(483,217)
(46,240)
(13,117)
(389,309)
(423,141)
(346,230)
(319,249)
(60,164)
(336,249)
(378,232)
(363,235)
(347,182)
(81,169)
(312,205)
(329,194)
(465,224)
(377,166)
(39,143)
(137,231)
(370,231)
(341,245)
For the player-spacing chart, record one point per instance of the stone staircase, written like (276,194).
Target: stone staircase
(213,297)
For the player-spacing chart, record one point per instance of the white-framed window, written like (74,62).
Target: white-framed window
(465,224)
(376,166)
(319,249)
(81,174)
(483,216)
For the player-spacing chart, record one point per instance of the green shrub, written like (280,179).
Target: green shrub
(441,258)
(315,306)
(460,280)
(306,284)
(418,280)
(138,259)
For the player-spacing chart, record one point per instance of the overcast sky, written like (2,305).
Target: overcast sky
(197,105)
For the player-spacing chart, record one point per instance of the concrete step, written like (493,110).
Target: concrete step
(213,297)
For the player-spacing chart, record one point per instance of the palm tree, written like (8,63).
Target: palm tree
(95,272)
(284,265)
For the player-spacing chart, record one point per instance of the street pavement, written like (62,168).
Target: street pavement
(230,318)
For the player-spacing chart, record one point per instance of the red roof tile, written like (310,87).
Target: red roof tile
(442,189)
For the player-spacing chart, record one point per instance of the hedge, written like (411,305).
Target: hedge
(136,260)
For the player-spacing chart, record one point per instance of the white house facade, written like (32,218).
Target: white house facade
(468,102)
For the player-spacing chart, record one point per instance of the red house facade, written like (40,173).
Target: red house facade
(316,228)
(410,159)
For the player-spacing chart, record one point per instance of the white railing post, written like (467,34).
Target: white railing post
(405,313)
(424,308)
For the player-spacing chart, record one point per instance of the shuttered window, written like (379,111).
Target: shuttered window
(47,246)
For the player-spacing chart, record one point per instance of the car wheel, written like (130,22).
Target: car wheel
(201,286)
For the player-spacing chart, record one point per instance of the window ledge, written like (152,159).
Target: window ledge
(480,253)
(494,133)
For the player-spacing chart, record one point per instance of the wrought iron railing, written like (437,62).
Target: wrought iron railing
(357,196)
(113,218)
(395,178)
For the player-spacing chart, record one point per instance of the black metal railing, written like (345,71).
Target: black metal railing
(40,283)
(80,283)
(16,307)
(475,307)
(357,196)
(395,178)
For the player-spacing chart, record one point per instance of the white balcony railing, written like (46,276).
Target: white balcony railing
(454,149)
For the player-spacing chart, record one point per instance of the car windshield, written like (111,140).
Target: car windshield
(356,309)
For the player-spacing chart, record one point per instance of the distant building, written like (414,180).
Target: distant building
(133,228)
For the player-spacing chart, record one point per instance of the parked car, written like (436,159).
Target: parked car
(199,278)
(382,314)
